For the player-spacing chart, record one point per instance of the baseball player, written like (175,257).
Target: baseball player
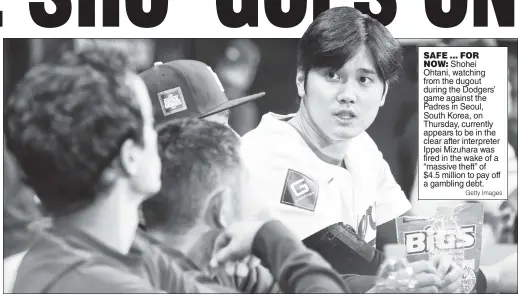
(318,169)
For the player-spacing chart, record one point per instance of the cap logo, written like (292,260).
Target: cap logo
(216,78)
(172,101)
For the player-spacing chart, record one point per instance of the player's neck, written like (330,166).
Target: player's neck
(111,219)
(196,243)
(329,151)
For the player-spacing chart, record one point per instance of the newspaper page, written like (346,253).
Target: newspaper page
(245,146)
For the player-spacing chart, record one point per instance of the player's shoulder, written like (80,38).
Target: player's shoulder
(39,269)
(363,156)
(364,143)
(271,127)
(274,140)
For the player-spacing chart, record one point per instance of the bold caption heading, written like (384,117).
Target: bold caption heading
(249,13)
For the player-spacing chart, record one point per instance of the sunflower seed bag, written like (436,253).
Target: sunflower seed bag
(454,231)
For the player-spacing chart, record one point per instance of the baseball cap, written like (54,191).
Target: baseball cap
(187,88)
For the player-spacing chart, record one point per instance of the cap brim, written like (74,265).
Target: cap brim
(233,103)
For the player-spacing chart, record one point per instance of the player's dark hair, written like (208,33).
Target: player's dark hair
(65,123)
(337,35)
(197,156)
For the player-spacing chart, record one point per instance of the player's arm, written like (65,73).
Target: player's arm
(247,276)
(342,247)
(253,278)
(360,283)
(386,234)
(296,268)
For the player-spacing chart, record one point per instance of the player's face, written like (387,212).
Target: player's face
(342,104)
(146,177)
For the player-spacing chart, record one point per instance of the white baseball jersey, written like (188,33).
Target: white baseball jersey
(308,194)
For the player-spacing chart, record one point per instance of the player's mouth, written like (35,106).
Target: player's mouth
(345,117)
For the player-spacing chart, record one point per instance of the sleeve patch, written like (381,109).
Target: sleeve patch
(299,191)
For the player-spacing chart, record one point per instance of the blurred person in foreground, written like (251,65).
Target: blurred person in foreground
(203,177)
(204,182)
(82,131)
(21,215)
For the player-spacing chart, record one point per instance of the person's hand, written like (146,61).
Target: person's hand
(449,272)
(425,277)
(416,277)
(235,243)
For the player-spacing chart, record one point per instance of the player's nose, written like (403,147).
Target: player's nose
(347,94)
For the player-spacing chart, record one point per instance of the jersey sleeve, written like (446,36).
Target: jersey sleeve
(391,201)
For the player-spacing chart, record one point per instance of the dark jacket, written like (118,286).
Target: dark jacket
(69,261)
(256,278)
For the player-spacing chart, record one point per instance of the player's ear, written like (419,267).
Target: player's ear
(386,88)
(301,82)
(129,156)
(214,214)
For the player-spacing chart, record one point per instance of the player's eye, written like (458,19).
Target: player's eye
(365,80)
(331,75)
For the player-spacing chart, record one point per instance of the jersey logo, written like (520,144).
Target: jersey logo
(172,101)
(368,220)
(300,191)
